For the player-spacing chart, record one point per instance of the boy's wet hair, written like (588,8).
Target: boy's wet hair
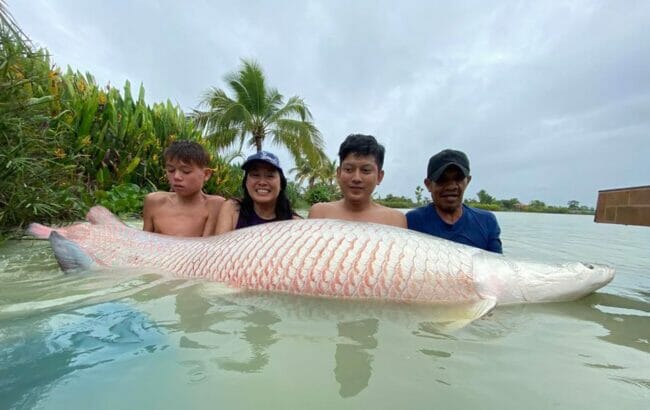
(190,152)
(360,144)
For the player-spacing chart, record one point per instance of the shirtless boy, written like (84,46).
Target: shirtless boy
(361,160)
(186,211)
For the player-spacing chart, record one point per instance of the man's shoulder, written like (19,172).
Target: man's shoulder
(483,216)
(214,199)
(390,216)
(213,203)
(391,211)
(387,209)
(422,210)
(326,209)
(481,213)
(158,197)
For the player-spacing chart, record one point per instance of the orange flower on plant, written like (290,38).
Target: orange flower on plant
(59,153)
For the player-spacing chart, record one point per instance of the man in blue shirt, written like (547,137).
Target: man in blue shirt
(447,217)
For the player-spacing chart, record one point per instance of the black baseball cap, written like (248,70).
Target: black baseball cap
(445,158)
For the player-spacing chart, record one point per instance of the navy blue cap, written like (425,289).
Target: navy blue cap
(445,158)
(263,156)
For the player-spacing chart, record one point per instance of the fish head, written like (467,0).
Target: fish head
(510,281)
(589,277)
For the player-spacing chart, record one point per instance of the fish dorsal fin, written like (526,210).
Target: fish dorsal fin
(68,254)
(98,215)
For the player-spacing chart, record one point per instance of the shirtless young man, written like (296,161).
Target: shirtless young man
(361,159)
(186,211)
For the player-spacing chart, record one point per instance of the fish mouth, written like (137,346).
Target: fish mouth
(602,274)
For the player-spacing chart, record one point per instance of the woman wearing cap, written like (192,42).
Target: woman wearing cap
(265,198)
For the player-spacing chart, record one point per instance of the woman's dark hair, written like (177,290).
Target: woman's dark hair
(283,208)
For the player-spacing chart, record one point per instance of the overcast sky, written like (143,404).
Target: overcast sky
(550,100)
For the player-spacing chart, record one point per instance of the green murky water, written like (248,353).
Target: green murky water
(138,340)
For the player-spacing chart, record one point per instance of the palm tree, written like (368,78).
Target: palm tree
(304,171)
(322,172)
(257,112)
(327,172)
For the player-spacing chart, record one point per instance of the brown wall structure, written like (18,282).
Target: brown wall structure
(625,206)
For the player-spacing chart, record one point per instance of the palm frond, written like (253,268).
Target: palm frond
(8,22)
(249,87)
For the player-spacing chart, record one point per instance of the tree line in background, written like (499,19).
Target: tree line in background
(488,202)
(67,143)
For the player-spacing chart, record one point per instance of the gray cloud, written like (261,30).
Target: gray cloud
(551,100)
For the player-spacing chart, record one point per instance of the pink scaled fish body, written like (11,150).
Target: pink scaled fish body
(326,258)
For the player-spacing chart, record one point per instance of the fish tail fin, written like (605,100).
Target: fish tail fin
(68,254)
(39,231)
(98,215)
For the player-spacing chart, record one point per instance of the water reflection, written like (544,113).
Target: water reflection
(353,360)
(203,320)
(626,320)
(209,320)
(259,335)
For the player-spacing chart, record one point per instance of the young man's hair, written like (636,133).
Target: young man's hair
(187,151)
(359,144)
(283,210)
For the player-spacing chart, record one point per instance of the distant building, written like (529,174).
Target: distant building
(625,206)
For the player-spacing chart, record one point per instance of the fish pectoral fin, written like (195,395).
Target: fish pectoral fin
(482,307)
(449,318)
(69,255)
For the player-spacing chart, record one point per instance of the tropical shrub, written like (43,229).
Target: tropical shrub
(36,179)
(322,193)
(123,199)
(293,193)
(393,201)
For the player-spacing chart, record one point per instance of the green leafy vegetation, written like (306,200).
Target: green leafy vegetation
(393,201)
(124,199)
(67,143)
